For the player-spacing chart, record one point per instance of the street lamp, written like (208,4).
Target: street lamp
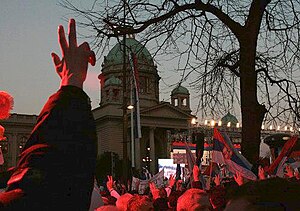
(130,107)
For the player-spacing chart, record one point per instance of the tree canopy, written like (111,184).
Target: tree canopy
(242,52)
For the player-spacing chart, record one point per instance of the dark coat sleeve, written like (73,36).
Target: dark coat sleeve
(57,166)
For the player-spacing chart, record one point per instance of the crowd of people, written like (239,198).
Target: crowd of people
(56,169)
(228,193)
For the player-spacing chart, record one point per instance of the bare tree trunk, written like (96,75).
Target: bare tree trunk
(252,112)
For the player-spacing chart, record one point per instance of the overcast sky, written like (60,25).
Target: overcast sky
(28,32)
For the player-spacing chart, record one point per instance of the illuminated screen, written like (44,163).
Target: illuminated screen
(169,167)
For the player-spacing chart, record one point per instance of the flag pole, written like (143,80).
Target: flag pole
(125,118)
(131,122)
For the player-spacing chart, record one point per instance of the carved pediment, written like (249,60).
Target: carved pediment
(165,110)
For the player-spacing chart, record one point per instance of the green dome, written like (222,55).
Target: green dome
(180,90)
(115,55)
(113,81)
(229,118)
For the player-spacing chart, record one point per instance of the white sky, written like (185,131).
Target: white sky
(28,32)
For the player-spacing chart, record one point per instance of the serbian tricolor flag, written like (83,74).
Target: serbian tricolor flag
(191,161)
(224,153)
(135,97)
(277,166)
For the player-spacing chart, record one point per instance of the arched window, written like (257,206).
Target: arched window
(183,102)
(176,102)
(116,94)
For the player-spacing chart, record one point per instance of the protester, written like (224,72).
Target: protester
(107,208)
(217,194)
(171,183)
(122,201)
(140,203)
(172,199)
(110,187)
(159,196)
(57,165)
(193,199)
(269,194)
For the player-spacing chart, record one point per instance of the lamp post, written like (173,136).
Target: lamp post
(125,118)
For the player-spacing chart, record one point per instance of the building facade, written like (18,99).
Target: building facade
(17,130)
(156,117)
(162,123)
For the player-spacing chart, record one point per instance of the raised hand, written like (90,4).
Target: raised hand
(217,180)
(261,173)
(109,183)
(289,171)
(154,190)
(172,180)
(179,185)
(72,67)
(239,178)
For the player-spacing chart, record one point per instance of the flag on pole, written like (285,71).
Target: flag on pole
(190,158)
(224,153)
(284,154)
(135,96)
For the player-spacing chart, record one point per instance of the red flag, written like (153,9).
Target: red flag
(189,157)
(285,152)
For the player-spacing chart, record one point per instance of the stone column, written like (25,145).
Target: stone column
(152,150)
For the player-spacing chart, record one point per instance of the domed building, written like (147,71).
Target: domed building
(229,120)
(180,97)
(156,118)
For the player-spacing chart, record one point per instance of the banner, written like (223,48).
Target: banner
(157,179)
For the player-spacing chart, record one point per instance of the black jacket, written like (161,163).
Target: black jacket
(57,165)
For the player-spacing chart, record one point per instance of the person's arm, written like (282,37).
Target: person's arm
(217,180)
(289,171)
(58,161)
(110,187)
(261,173)
(72,67)
(172,182)
(196,182)
(154,191)
(239,179)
